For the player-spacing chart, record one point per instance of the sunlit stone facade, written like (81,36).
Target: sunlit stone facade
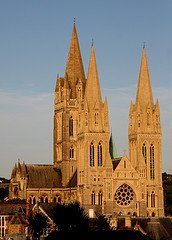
(83,169)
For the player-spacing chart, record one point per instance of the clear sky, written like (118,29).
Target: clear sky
(34,43)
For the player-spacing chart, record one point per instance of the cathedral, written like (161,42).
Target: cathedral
(85,168)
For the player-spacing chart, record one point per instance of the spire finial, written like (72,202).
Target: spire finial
(74,21)
(92,42)
(144,45)
(125,152)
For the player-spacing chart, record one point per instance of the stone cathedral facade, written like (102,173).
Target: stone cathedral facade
(84,168)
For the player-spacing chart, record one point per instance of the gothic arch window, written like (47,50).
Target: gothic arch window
(148,118)
(152,170)
(125,165)
(34,200)
(152,199)
(93,198)
(99,154)
(92,154)
(59,128)
(16,191)
(79,93)
(71,152)
(96,118)
(42,200)
(144,152)
(86,119)
(71,126)
(100,198)
(46,199)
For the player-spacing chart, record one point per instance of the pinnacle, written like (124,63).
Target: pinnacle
(93,93)
(144,91)
(74,66)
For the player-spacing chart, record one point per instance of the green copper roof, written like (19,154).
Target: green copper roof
(112,148)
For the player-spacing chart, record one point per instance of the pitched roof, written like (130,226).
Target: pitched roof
(18,218)
(112,148)
(43,176)
(11,209)
(115,162)
(73,181)
(47,209)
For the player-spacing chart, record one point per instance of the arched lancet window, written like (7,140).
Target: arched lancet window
(96,119)
(152,199)
(100,198)
(125,164)
(152,170)
(71,152)
(92,154)
(46,200)
(30,200)
(34,200)
(86,119)
(79,93)
(99,154)
(71,126)
(57,199)
(42,200)
(144,152)
(93,198)
(148,118)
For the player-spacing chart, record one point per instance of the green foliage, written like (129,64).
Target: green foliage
(37,223)
(70,217)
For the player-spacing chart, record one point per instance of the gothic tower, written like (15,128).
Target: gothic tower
(144,137)
(69,94)
(94,162)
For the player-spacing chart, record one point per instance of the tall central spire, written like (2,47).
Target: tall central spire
(74,67)
(92,92)
(144,91)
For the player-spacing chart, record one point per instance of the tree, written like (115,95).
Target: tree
(70,217)
(101,223)
(37,223)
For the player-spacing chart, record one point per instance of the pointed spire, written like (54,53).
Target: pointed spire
(131,107)
(92,92)
(74,66)
(144,91)
(112,147)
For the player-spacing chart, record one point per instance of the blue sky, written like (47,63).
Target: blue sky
(34,43)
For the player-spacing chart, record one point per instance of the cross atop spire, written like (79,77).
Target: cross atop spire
(144,45)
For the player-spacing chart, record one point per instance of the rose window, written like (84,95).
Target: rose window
(124,195)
